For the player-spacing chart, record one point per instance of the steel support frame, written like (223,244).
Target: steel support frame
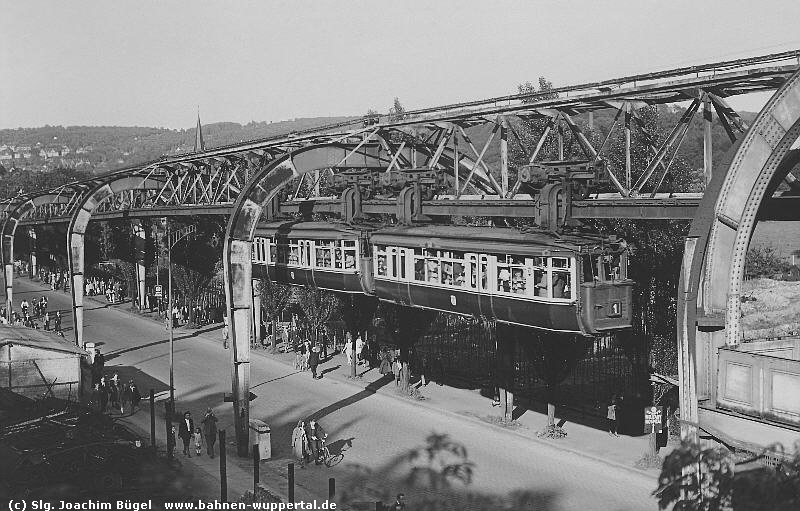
(715,250)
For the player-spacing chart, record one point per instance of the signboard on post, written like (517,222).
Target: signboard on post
(159,291)
(653,416)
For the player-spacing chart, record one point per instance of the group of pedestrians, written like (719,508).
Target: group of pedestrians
(110,395)
(113,289)
(307,357)
(56,278)
(203,435)
(308,439)
(31,313)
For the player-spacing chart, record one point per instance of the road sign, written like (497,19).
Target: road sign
(159,291)
(652,415)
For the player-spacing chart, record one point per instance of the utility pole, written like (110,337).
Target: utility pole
(172,240)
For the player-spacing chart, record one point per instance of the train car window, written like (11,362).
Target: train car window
(503,274)
(447,273)
(589,265)
(518,284)
(472,264)
(273,252)
(349,253)
(432,266)
(324,251)
(419,267)
(559,262)
(392,265)
(540,282)
(458,274)
(380,260)
(294,253)
(561,284)
(484,269)
(612,267)
(540,262)
(337,258)
(401,263)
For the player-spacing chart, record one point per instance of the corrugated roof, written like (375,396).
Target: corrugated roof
(24,336)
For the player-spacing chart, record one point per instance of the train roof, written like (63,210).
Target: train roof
(479,239)
(310,230)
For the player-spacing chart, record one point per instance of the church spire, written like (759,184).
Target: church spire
(199,145)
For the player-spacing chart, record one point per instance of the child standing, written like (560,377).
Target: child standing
(198,440)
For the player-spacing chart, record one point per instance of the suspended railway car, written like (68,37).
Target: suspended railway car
(575,284)
(324,255)
(570,283)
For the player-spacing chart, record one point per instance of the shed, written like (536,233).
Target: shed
(35,363)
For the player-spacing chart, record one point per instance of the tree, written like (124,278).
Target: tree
(407,324)
(554,356)
(319,306)
(697,479)
(274,300)
(397,112)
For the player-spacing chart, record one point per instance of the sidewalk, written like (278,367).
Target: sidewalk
(467,404)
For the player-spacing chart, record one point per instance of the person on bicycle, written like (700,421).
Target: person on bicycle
(316,436)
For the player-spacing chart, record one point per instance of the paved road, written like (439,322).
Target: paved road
(381,429)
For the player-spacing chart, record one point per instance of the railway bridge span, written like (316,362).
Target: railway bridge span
(433,163)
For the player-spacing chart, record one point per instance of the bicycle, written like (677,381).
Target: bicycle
(324,455)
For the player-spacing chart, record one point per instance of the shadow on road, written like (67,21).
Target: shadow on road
(114,354)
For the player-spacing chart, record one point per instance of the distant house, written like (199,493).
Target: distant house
(6,155)
(795,257)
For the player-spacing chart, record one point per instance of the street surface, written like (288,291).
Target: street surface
(381,430)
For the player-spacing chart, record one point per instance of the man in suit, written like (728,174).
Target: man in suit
(315,434)
(185,430)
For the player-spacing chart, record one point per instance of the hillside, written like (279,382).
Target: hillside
(99,149)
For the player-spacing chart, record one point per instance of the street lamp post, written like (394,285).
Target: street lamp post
(172,240)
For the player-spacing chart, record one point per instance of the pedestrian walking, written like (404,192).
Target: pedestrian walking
(104,392)
(57,325)
(612,417)
(398,368)
(348,349)
(113,391)
(126,399)
(300,447)
(47,321)
(209,423)
(313,361)
(198,441)
(136,396)
(185,431)
(359,349)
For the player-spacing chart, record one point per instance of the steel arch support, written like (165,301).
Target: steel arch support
(76,233)
(715,250)
(253,201)
(17,212)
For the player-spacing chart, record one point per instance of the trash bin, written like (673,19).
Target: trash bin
(260,435)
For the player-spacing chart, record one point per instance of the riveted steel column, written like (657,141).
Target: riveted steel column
(139,247)
(256,310)
(76,268)
(708,117)
(240,301)
(504,156)
(34,267)
(8,271)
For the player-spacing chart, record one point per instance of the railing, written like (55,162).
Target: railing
(756,384)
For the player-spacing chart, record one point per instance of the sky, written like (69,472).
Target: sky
(152,63)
